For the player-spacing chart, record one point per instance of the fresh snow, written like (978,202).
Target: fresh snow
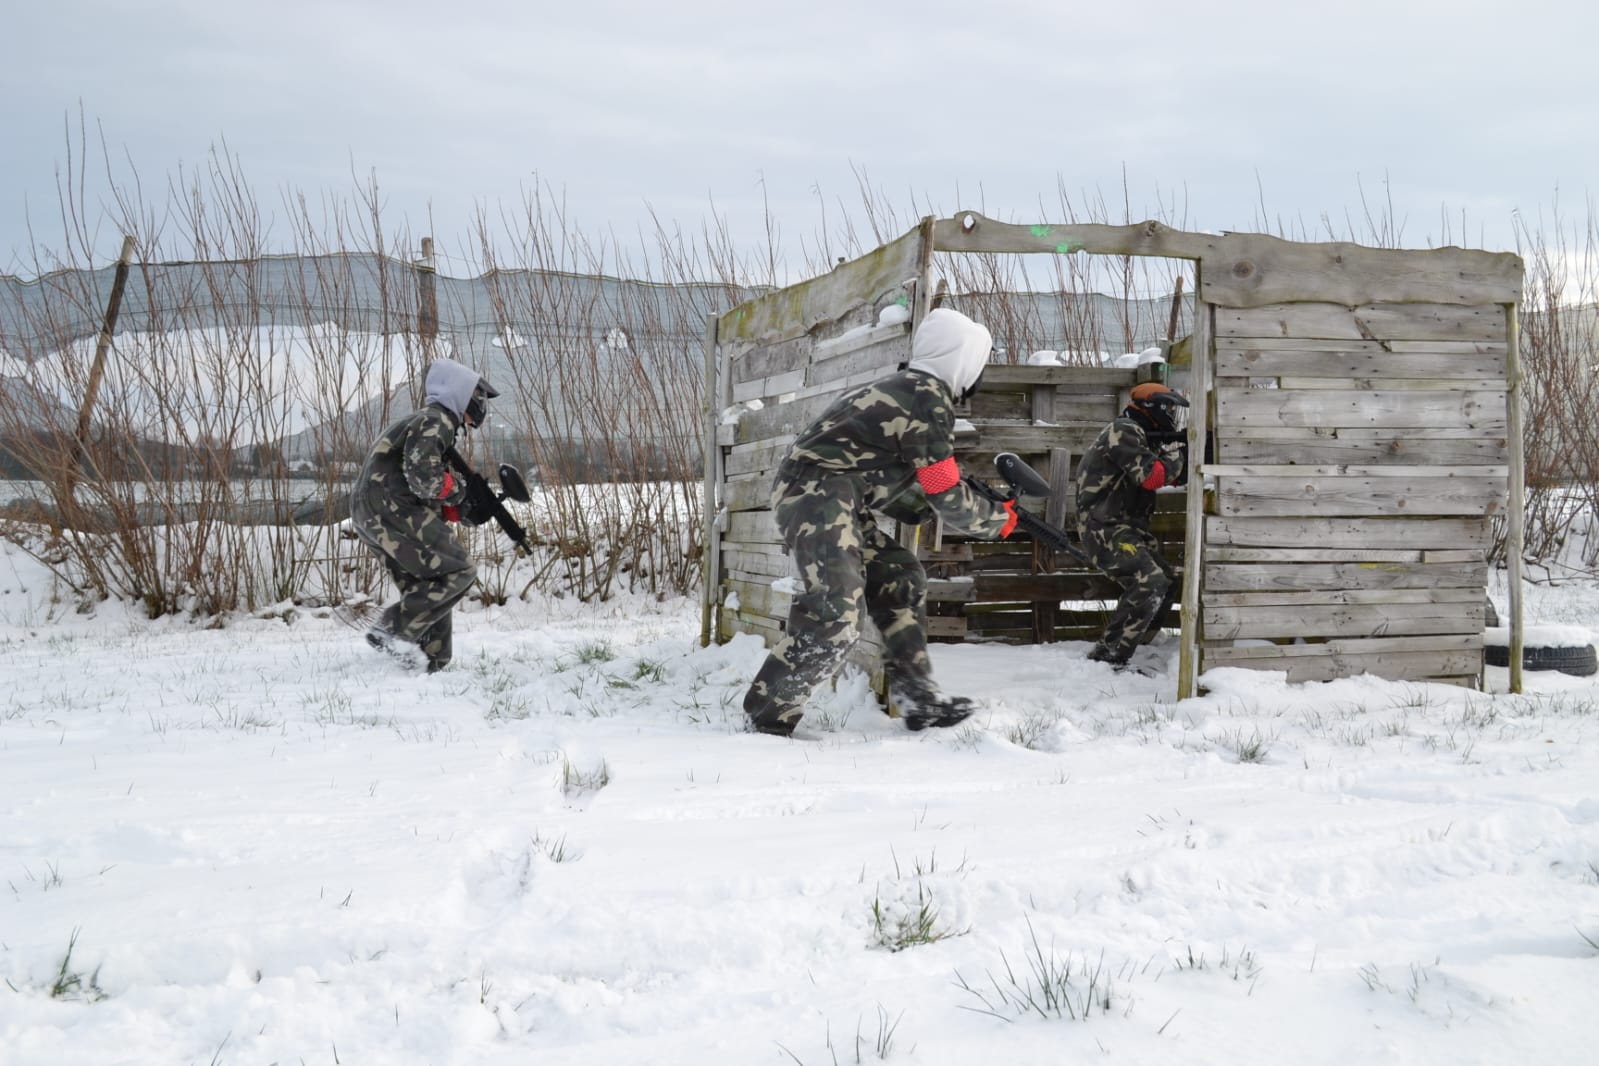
(264,843)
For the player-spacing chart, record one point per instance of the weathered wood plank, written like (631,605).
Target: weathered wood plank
(1318,447)
(1457,384)
(1352,620)
(1251,269)
(1014,405)
(1244,577)
(1238,362)
(788,418)
(757,457)
(861,338)
(1226,553)
(1040,588)
(1348,646)
(750,493)
(800,308)
(776,385)
(1346,346)
(1108,380)
(752,362)
(1374,533)
(733,623)
(951,590)
(751,527)
(1452,667)
(739,561)
(1247,497)
(875,361)
(1242,408)
(1024,438)
(1302,471)
(1392,320)
(1325,597)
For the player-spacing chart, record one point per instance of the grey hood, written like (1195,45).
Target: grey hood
(952,348)
(451,384)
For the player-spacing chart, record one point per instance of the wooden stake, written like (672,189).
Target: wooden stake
(427,319)
(1514,535)
(97,368)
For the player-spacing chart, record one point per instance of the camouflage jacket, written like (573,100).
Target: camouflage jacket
(1111,476)
(897,438)
(406,470)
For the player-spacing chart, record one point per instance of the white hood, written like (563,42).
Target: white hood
(450,384)
(952,348)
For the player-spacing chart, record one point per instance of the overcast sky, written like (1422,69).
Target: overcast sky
(1221,116)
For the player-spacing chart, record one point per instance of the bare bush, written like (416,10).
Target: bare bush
(1559,345)
(258,353)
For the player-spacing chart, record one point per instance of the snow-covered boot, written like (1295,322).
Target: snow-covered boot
(920,704)
(408,655)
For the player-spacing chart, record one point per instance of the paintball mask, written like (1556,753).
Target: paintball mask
(1160,408)
(477,408)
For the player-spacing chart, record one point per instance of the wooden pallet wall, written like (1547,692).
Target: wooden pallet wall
(1360,454)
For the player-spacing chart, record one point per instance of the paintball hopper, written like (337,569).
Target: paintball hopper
(1022,479)
(512,487)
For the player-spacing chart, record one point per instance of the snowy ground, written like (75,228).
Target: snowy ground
(262,843)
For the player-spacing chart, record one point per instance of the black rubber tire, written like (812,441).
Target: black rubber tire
(1490,616)
(1578,660)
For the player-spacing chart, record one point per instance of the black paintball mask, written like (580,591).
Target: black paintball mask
(1158,407)
(477,408)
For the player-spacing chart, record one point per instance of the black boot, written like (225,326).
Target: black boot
(921,704)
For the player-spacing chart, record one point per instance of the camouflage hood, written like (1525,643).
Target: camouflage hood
(450,384)
(952,348)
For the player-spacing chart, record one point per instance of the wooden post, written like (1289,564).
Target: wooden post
(1176,306)
(427,319)
(1194,534)
(711,554)
(1515,532)
(102,345)
(1046,615)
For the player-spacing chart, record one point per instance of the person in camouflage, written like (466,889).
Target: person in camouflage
(402,505)
(882,449)
(1116,482)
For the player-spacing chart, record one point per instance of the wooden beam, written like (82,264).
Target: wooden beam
(1369,533)
(1189,656)
(1254,269)
(710,578)
(102,345)
(1514,533)
(797,309)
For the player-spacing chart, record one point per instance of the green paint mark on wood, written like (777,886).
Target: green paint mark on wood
(1068,247)
(1038,231)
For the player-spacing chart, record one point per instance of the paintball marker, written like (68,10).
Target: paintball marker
(487,500)
(1025,481)
(1163,442)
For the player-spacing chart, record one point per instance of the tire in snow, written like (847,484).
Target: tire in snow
(1578,660)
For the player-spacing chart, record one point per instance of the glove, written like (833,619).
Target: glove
(1009,527)
(1172,458)
(478,507)
(452,514)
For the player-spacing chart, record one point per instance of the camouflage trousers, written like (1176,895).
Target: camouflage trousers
(847,566)
(430,569)
(1130,556)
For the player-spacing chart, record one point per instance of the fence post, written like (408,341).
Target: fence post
(715,385)
(97,369)
(427,319)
